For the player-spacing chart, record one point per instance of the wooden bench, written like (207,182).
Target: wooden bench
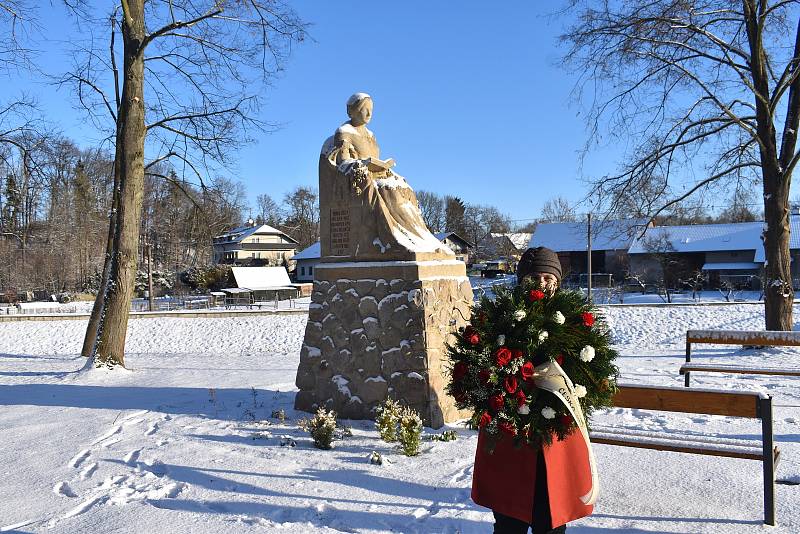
(700,401)
(771,338)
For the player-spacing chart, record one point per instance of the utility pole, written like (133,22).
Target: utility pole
(589,252)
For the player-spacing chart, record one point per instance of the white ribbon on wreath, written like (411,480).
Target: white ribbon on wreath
(551,377)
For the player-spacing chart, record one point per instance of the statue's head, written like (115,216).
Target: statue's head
(359,109)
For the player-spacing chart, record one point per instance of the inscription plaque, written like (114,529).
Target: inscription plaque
(340,232)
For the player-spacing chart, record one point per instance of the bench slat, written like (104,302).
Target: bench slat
(744,404)
(737,369)
(703,439)
(672,446)
(744,337)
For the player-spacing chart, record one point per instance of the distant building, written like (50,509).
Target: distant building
(610,243)
(730,252)
(254,245)
(305,262)
(460,246)
(508,245)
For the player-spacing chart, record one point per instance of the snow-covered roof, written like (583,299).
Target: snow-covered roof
(441,236)
(703,237)
(731,266)
(237,234)
(520,239)
(311,253)
(261,277)
(571,236)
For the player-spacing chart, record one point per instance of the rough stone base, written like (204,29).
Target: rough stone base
(378,330)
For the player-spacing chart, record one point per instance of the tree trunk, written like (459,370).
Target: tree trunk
(90,338)
(778,292)
(110,346)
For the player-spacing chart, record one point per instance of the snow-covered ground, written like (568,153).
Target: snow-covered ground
(184,440)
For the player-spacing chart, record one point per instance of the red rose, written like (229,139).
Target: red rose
(496,402)
(486,418)
(520,397)
(517,353)
(566,420)
(560,359)
(510,383)
(484,376)
(459,371)
(507,428)
(526,370)
(535,295)
(471,336)
(588,319)
(502,356)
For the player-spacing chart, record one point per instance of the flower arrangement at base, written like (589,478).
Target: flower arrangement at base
(532,365)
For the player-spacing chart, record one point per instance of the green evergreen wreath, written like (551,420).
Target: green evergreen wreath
(494,357)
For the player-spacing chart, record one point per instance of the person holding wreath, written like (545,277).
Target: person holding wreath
(539,487)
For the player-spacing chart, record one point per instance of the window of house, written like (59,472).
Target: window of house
(302,271)
(310,271)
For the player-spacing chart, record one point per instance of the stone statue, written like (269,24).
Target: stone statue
(387,294)
(369,211)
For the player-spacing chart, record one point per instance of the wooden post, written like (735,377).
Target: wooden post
(769,460)
(688,359)
(149,250)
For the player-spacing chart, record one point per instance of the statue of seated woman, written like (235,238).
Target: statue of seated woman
(368,212)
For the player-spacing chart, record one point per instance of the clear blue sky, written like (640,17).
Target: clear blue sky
(469,99)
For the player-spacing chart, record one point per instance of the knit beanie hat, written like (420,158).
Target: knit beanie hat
(538,260)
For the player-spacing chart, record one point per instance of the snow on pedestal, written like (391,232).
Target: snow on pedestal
(378,330)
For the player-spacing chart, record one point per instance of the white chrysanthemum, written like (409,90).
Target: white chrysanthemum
(548,412)
(543,335)
(587,353)
(519,315)
(580,391)
(559,318)
(524,409)
(501,340)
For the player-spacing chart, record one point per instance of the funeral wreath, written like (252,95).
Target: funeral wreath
(532,365)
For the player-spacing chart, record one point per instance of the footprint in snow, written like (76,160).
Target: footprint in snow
(152,429)
(62,488)
(88,471)
(132,457)
(79,458)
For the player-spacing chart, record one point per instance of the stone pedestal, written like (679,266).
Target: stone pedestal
(378,330)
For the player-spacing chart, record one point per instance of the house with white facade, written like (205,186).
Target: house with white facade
(305,262)
(254,245)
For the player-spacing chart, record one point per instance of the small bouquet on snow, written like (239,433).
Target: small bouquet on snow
(532,365)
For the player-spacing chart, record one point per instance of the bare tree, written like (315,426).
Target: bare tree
(741,208)
(432,207)
(302,215)
(184,86)
(558,209)
(661,249)
(269,212)
(706,91)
